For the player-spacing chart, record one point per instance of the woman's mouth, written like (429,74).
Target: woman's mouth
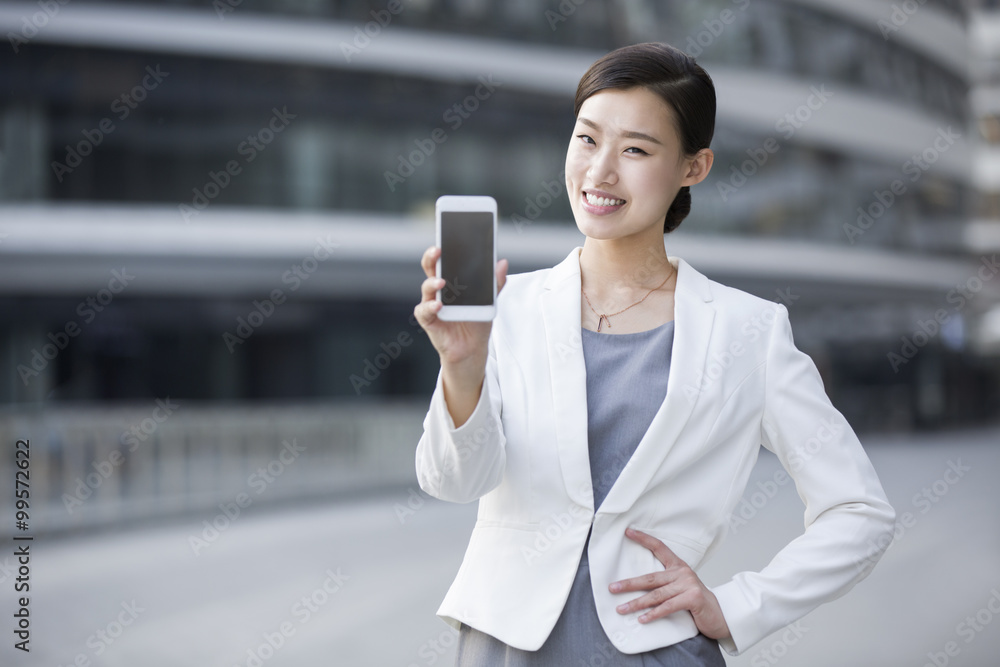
(601,205)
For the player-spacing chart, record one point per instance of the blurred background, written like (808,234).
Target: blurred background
(211,219)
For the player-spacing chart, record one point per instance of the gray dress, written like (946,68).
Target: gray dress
(626,375)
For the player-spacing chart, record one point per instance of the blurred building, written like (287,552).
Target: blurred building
(984,232)
(225,201)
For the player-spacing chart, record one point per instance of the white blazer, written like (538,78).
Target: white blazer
(736,382)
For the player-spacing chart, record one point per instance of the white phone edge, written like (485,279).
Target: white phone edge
(483,203)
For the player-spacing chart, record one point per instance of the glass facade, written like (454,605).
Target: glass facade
(83,124)
(780,37)
(342,140)
(362,141)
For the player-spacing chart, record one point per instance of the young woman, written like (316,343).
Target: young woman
(609,417)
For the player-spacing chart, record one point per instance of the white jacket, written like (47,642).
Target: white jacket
(736,382)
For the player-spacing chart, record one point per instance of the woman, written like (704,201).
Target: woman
(608,419)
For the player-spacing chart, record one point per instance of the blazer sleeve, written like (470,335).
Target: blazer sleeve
(846,509)
(462,464)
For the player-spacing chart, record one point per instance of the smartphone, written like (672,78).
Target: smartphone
(466,234)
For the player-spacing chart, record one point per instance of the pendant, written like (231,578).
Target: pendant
(600,322)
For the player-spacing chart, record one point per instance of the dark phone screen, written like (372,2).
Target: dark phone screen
(467,258)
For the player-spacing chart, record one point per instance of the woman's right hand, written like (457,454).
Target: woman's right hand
(459,344)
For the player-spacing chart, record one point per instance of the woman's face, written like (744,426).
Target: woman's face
(624,164)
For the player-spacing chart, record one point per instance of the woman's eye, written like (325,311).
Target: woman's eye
(585,138)
(638,151)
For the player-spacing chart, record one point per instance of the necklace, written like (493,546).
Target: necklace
(604,317)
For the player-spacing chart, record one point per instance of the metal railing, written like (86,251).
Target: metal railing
(99,465)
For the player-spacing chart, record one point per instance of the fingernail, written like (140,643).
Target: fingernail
(643,618)
(623,607)
(615,587)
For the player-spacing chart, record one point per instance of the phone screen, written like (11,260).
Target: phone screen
(467,258)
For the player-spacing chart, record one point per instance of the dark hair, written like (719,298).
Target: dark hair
(679,80)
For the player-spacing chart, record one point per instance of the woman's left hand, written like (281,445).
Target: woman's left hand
(673,589)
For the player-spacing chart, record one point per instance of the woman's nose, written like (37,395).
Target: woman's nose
(603,168)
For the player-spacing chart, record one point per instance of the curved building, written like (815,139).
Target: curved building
(266,172)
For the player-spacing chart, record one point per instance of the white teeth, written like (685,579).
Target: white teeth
(603,201)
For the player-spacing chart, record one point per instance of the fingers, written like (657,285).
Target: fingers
(429,288)
(429,260)
(666,596)
(659,549)
(664,586)
(501,271)
(674,567)
(644,583)
(672,605)
(677,587)
(426,311)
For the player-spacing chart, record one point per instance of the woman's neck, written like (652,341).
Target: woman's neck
(618,266)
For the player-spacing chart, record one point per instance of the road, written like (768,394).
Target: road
(356,583)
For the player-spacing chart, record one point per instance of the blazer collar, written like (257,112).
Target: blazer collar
(694,315)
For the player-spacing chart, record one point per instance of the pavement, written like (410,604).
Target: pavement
(355,583)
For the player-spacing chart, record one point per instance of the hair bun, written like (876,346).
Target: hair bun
(679,210)
(683,85)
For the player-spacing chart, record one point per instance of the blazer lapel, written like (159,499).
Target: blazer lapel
(694,315)
(560,301)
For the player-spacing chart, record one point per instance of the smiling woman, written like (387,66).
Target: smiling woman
(631,405)
(645,119)
(663,89)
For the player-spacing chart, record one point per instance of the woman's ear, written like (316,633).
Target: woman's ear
(698,167)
